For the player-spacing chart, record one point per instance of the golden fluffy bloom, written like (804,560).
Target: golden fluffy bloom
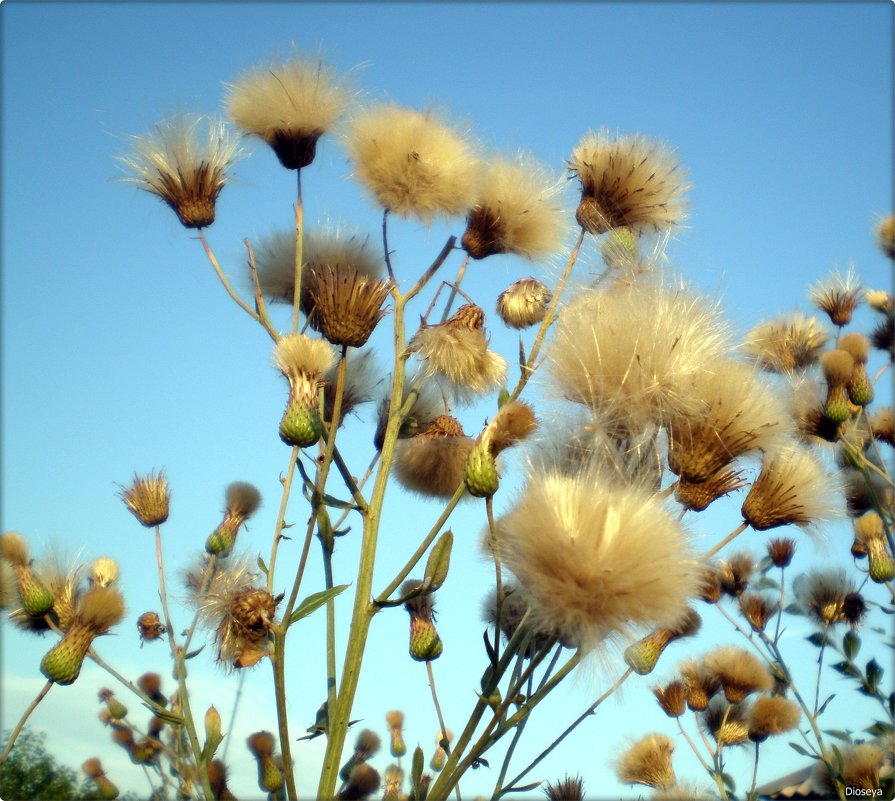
(757,609)
(739,673)
(781,550)
(647,761)
(103,572)
(771,715)
(838,295)
(290,105)
(515,211)
(885,235)
(738,413)
(413,164)
(456,351)
(524,303)
(303,361)
(628,181)
(672,697)
(148,498)
(598,559)
(880,301)
(629,353)
(185,162)
(792,488)
(702,684)
(433,462)
(513,422)
(789,343)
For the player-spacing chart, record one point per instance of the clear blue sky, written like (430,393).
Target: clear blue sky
(121,352)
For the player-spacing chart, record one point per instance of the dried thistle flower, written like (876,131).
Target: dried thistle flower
(524,303)
(425,644)
(792,488)
(838,296)
(787,344)
(739,673)
(726,723)
(514,211)
(412,163)
(629,353)
(105,789)
(822,595)
(696,496)
(569,788)
(735,573)
(362,783)
(151,684)
(770,715)
(701,682)
(862,764)
(880,301)
(393,779)
(883,336)
(628,181)
(117,710)
(98,610)
(571,541)
(882,422)
(672,697)
(781,550)
(303,361)
(243,500)
(885,235)
(289,104)
(217,778)
(185,162)
(643,655)
(647,761)
(433,462)
(366,746)
(807,401)
(456,351)
(710,584)
(513,422)
(346,306)
(150,627)
(757,609)
(148,498)
(103,572)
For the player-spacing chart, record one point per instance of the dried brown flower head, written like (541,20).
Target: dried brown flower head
(523,303)
(433,462)
(150,626)
(672,697)
(822,595)
(648,762)
(788,344)
(770,715)
(696,496)
(838,296)
(148,498)
(345,305)
(736,573)
(569,788)
(726,723)
(757,609)
(362,783)
(885,235)
(739,672)
(701,682)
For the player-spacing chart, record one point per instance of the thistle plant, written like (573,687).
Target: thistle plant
(630,408)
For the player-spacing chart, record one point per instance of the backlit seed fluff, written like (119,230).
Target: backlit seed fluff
(739,673)
(361,378)
(630,353)
(524,303)
(303,361)
(514,422)
(648,762)
(456,352)
(885,235)
(627,181)
(148,498)
(862,765)
(702,683)
(515,211)
(792,488)
(880,301)
(823,594)
(599,560)
(412,163)
(433,462)
(103,572)
(770,715)
(787,344)
(735,573)
(838,295)
(185,162)
(289,104)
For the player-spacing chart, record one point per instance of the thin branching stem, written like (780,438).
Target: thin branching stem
(260,305)
(24,719)
(224,280)
(281,516)
(728,539)
(455,287)
(299,261)
(443,741)
(693,747)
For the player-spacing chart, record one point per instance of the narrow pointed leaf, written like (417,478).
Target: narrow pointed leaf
(439,561)
(314,601)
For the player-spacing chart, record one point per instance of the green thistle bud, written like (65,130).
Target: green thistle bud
(860,390)
(221,540)
(425,644)
(438,761)
(481,471)
(62,663)
(117,710)
(36,599)
(300,426)
(837,408)
(882,567)
(270,777)
(643,655)
(398,746)
(107,791)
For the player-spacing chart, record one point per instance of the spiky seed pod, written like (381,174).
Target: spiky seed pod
(838,296)
(393,779)
(770,715)
(99,610)
(524,303)
(738,414)
(643,655)
(345,306)
(696,496)
(36,598)
(726,723)
(185,162)
(217,778)
(885,235)
(303,361)
(787,344)
(270,776)
(289,104)
(630,353)
(739,673)
(395,721)
(757,609)
(571,540)
(701,683)
(629,182)
(821,595)
(647,761)
(672,697)
(569,788)
(94,770)
(117,710)
(882,422)
(736,573)
(425,644)
(792,488)
(433,463)
(456,352)
(862,764)
(514,212)
(151,684)
(243,500)
(362,783)
(781,551)
(412,163)
(148,498)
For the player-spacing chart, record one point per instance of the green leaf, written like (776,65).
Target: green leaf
(261,565)
(168,717)
(794,609)
(314,601)
(817,639)
(525,788)
(880,729)
(839,734)
(439,561)
(851,644)
(874,673)
(840,762)
(729,783)
(799,750)
(195,652)
(847,669)
(416,772)
(502,398)
(823,706)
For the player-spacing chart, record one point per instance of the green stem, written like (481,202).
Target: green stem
(260,306)
(754,773)
(443,740)
(330,626)
(224,280)
(299,236)
(15,732)
(281,516)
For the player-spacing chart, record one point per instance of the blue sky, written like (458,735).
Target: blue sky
(122,353)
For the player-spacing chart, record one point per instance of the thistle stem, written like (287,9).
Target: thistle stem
(281,516)
(443,742)
(455,287)
(224,280)
(20,725)
(498,578)
(728,539)
(754,773)
(260,306)
(299,236)
(233,712)
(385,250)
(693,747)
